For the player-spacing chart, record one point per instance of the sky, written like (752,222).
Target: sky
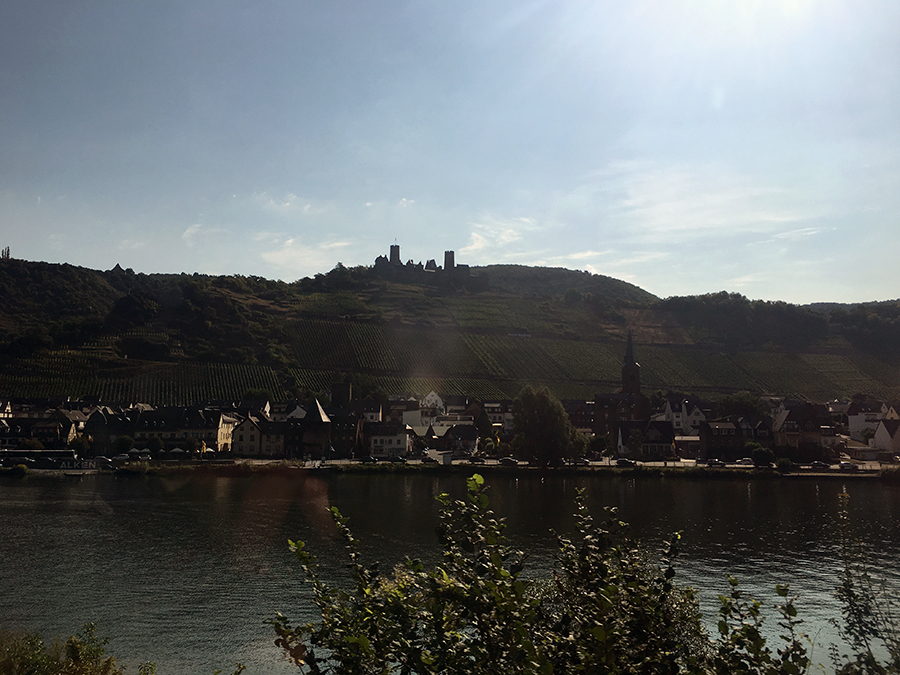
(685,146)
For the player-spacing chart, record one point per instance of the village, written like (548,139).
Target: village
(624,425)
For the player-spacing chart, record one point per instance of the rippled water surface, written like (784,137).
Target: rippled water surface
(184,571)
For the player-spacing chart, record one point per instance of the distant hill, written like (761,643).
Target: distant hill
(557,281)
(168,339)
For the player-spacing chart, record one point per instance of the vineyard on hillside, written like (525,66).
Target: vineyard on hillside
(165,339)
(76,375)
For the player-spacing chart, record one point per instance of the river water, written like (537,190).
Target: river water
(184,570)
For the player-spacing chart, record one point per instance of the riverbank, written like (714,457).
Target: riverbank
(693,472)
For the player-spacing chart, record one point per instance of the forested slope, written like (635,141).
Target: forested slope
(181,338)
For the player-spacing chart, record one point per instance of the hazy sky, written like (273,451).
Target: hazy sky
(686,146)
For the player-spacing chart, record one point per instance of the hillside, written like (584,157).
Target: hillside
(168,339)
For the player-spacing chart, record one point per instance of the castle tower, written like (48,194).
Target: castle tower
(395,254)
(631,370)
(449,262)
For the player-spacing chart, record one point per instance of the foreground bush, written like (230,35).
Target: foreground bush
(607,609)
(82,654)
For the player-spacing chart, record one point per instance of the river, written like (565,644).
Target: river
(184,570)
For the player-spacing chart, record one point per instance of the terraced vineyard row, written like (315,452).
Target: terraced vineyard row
(576,365)
(784,374)
(879,370)
(432,353)
(65,374)
(372,348)
(478,344)
(479,364)
(322,344)
(837,369)
(483,389)
(584,360)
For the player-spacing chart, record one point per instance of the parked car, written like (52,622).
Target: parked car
(745,461)
(625,462)
(428,459)
(476,460)
(368,459)
(509,461)
(849,466)
(714,461)
(398,460)
(124,457)
(819,465)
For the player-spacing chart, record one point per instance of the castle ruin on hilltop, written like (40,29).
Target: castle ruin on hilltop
(450,275)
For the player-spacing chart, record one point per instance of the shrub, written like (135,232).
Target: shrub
(607,609)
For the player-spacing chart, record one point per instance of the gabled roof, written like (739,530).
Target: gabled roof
(891,426)
(317,414)
(860,407)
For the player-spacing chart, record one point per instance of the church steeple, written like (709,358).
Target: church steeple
(631,370)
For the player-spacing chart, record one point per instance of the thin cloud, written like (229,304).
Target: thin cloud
(298,259)
(797,235)
(639,258)
(491,232)
(131,244)
(678,201)
(289,204)
(190,234)
(268,237)
(196,232)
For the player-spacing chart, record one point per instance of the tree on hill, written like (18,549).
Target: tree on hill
(543,433)
(743,404)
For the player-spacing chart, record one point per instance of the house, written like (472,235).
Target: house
(500,412)
(887,436)
(657,440)
(433,400)
(259,437)
(862,417)
(581,414)
(455,404)
(389,440)
(176,425)
(346,430)
(308,437)
(368,409)
(404,410)
(684,413)
(462,438)
(311,436)
(801,427)
(726,437)
(687,447)
(284,410)
(104,425)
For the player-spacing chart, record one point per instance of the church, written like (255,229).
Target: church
(627,404)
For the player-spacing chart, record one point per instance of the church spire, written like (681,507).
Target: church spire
(629,352)
(631,370)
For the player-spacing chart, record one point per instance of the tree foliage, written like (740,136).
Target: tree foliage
(81,654)
(543,433)
(742,403)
